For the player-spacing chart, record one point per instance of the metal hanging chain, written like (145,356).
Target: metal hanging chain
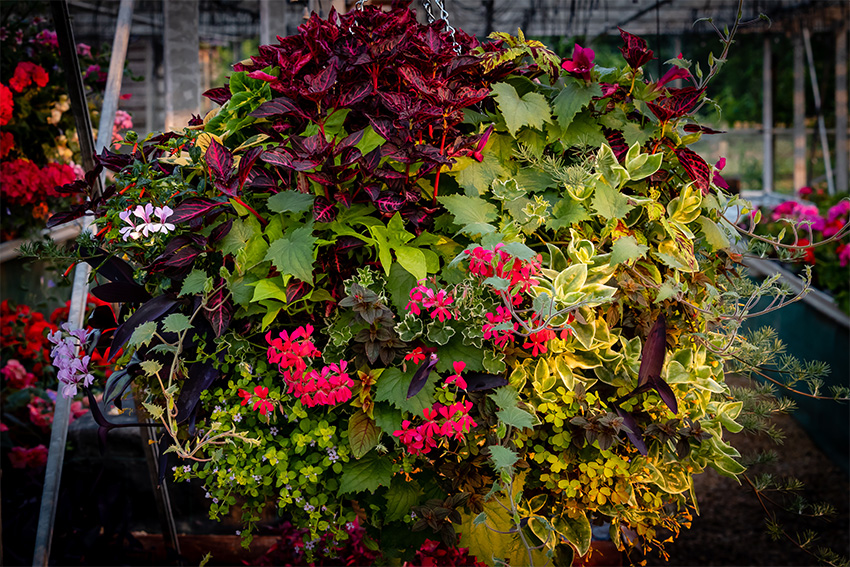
(359,5)
(444,15)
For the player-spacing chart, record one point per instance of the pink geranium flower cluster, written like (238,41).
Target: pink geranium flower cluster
(796,211)
(520,274)
(33,458)
(293,353)
(437,302)
(440,421)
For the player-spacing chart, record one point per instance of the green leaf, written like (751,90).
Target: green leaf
(667,290)
(475,177)
(626,249)
(290,202)
(573,97)
(530,110)
(151,367)
(566,213)
(440,332)
(368,473)
(543,380)
(413,260)
(387,417)
(363,434)
(644,165)
(175,323)
(369,141)
(401,497)
(399,284)
(516,417)
(194,283)
(392,387)
(456,351)
(505,397)
(494,363)
(714,235)
(272,288)
(584,131)
(609,203)
(293,254)
(576,530)
(469,210)
(143,334)
(154,410)
(503,458)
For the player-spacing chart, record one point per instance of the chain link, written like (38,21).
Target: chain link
(359,5)
(427,5)
(444,15)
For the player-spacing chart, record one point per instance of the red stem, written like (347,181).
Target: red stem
(263,221)
(439,169)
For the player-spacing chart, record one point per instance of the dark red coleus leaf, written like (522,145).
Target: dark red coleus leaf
(355,93)
(220,231)
(678,103)
(246,164)
(697,168)
(323,209)
(192,208)
(280,106)
(219,309)
(181,251)
(617,142)
(112,268)
(113,161)
(321,82)
(389,202)
(218,95)
(296,289)
(220,161)
(283,159)
(635,52)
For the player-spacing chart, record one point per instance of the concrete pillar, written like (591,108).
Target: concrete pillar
(182,63)
(767,116)
(800,176)
(272,20)
(841,105)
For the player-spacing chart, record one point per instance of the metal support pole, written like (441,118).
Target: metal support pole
(841,106)
(79,295)
(767,117)
(827,159)
(800,174)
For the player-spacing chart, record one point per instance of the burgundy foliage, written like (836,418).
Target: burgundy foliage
(635,52)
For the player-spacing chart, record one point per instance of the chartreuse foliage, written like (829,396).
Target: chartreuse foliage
(478,244)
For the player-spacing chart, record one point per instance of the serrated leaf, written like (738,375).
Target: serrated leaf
(566,213)
(516,417)
(505,397)
(151,367)
(154,410)
(469,210)
(387,417)
(143,334)
(290,202)
(293,254)
(667,290)
(401,497)
(609,203)
(530,110)
(479,519)
(714,235)
(475,177)
(573,97)
(175,323)
(502,457)
(194,283)
(367,474)
(627,249)
(363,434)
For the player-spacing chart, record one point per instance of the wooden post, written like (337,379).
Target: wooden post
(827,159)
(800,177)
(272,21)
(767,116)
(182,63)
(841,103)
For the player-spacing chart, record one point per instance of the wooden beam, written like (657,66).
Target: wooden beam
(799,100)
(841,105)
(181,46)
(767,115)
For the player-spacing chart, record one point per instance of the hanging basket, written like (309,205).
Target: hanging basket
(407,283)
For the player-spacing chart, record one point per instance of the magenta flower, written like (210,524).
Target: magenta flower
(581,63)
